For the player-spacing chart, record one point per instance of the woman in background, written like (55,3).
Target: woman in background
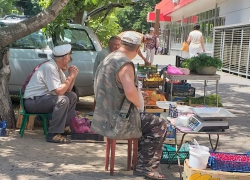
(195,41)
(151,46)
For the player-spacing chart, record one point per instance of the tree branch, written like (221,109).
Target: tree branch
(16,31)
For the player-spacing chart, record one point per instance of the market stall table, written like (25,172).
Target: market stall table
(184,133)
(215,77)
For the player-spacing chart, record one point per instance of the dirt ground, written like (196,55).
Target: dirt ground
(32,158)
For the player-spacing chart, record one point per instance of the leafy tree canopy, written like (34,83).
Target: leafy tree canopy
(76,8)
(6,6)
(30,7)
(134,17)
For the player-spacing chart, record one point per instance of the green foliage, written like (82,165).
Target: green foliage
(31,7)
(210,100)
(134,18)
(109,27)
(6,6)
(200,61)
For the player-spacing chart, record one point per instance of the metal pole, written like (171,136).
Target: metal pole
(217,82)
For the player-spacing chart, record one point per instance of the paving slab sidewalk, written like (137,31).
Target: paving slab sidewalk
(31,157)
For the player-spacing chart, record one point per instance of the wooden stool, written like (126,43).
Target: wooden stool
(112,143)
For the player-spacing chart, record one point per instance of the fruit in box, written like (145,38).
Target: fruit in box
(152,97)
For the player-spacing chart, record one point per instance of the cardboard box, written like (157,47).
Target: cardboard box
(208,174)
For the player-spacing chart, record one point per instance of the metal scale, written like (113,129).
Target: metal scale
(209,119)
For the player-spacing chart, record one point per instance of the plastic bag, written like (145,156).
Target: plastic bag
(182,121)
(184,47)
(174,70)
(80,125)
(185,71)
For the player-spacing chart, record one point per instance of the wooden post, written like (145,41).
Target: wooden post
(157,22)
(30,124)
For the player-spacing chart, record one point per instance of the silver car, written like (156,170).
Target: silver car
(35,48)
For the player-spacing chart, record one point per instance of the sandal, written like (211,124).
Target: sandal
(154,175)
(67,131)
(58,138)
(149,174)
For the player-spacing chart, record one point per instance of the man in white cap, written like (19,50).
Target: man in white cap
(38,97)
(151,46)
(117,98)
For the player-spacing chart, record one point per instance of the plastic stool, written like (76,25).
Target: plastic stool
(110,147)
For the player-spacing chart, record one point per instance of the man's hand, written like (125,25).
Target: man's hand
(144,94)
(73,71)
(147,63)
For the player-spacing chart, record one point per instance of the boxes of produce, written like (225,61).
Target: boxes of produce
(147,69)
(210,101)
(150,101)
(208,174)
(153,81)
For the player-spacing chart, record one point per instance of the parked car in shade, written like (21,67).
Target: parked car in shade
(27,52)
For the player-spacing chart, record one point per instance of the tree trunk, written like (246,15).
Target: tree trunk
(12,33)
(6,110)
(78,17)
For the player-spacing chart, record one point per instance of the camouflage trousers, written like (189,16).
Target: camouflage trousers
(154,131)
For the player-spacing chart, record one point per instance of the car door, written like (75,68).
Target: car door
(85,46)
(25,54)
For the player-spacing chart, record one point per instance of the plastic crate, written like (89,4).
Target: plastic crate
(237,162)
(169,152)
(178,61)
(184,93)
(86,136)
(151,84)
(147,69)
(3,125)
(178,87)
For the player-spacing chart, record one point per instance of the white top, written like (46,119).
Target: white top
(195,37)
(46,79)
(195,44)
(62,77)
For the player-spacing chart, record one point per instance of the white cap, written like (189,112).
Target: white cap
(151,29)
(61,50)
(131,37)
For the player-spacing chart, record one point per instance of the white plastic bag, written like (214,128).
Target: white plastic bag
(141,109)
(182,121)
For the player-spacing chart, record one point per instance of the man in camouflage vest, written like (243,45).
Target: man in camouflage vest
(115,80)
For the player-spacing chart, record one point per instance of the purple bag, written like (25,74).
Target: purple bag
(80,124)
(174,70)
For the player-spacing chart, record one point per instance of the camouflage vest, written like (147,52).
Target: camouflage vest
(114,116)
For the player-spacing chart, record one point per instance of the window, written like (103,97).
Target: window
(78,38)
(205,19)
(35,40)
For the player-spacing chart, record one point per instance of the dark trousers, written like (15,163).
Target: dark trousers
(154,131)
(61,107)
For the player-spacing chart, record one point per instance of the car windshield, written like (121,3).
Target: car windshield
(35,40)
(78,38)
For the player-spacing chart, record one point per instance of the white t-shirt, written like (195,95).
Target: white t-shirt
(46,79)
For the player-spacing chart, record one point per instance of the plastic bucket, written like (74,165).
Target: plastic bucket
(203,148)
(198,158)
(197,146)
